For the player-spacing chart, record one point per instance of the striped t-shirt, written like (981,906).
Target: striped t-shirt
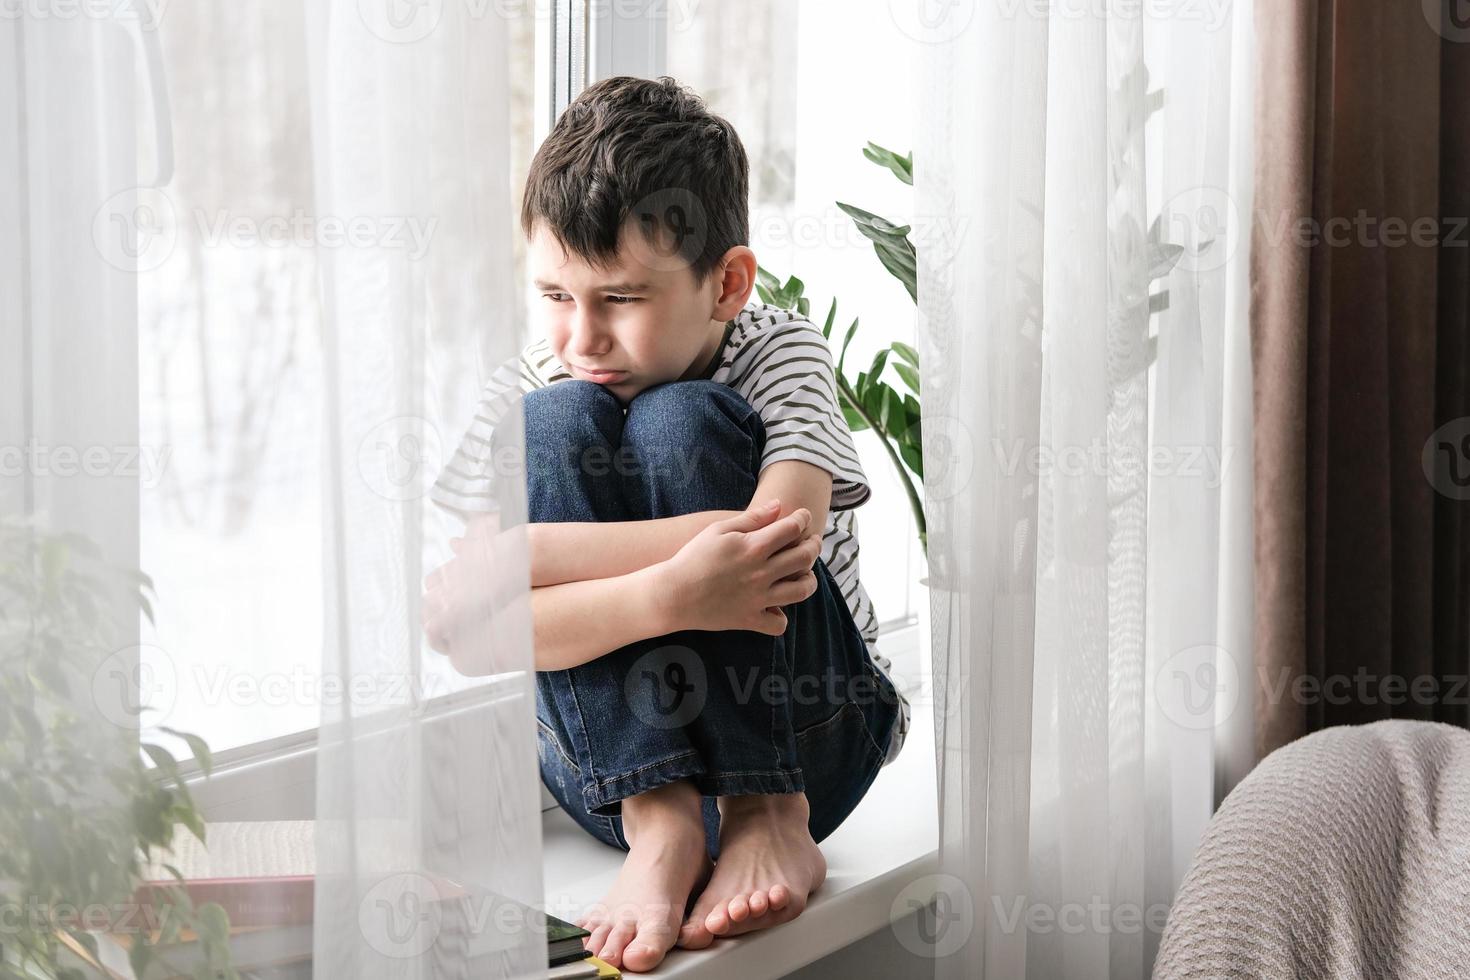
(780,363)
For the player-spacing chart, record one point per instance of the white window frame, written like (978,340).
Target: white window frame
(577,42)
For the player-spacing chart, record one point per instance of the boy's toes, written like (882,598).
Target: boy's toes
(739,909)
(718,920)
(780,897)
(647,950)
(617,941)
(694,935)
(759,903)
(598,939)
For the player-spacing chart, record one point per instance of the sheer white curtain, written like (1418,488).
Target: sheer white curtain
(1072,342)
(337,173)
(408,122)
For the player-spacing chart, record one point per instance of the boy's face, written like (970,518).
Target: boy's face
(643,320)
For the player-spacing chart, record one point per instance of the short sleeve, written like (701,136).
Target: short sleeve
(791,383)
(468,483)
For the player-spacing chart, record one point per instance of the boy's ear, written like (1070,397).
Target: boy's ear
(735,281)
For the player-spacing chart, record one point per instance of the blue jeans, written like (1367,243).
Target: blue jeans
(735,712)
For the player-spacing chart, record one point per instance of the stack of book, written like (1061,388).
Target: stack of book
(263,875)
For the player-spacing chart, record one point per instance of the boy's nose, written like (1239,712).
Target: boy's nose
(587,339)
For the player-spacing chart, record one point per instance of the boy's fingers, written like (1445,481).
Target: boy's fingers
(752,519)
(773,622)
(774,537)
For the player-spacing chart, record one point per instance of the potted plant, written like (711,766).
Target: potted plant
(868,400)
(81,813)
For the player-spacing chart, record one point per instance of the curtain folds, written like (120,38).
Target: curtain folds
(1361,363)
(1074,344)
(428,813)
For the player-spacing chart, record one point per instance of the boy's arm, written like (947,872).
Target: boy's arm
(734,574)
(579,551)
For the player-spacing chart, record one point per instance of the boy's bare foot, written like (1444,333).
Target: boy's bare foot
(636,924)
(768,867)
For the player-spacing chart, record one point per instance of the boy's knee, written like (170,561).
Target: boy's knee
(574,397)
(690,411)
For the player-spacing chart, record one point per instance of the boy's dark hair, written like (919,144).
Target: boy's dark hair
(647,150)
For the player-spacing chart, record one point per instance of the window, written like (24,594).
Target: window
(230,382)
(804,113)
(229,357)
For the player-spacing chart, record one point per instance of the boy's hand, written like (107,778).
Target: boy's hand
(737,573)
(463,596)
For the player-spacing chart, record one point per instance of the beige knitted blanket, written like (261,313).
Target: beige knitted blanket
(1343,854)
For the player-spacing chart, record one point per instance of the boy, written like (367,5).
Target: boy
(704,689)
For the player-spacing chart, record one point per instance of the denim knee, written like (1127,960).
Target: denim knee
(694,445)
(574,430)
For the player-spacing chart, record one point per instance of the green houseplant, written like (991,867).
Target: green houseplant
(868,401)
(81,813)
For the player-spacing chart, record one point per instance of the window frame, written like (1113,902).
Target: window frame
(577,42)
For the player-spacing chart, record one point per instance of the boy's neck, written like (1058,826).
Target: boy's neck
(704,363)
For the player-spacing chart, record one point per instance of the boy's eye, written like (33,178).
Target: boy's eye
(621,300)
(556,297)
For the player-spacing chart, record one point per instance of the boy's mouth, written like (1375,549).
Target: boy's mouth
(601,377)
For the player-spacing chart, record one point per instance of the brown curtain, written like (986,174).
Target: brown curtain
(1361,350)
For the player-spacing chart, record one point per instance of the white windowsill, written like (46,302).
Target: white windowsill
(888,844)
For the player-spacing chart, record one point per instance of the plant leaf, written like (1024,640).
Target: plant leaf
(909,375)
(906,352)
(842,355)
(902,167)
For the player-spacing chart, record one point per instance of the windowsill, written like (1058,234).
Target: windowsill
(887,845)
